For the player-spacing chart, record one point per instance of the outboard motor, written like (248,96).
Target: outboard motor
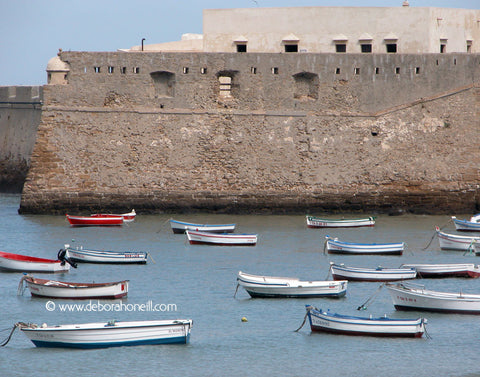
(61,256)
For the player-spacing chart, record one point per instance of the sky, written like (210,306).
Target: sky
(32,31)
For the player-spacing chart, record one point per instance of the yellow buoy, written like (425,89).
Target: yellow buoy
(244,319)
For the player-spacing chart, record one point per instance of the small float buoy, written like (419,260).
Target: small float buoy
(244,319)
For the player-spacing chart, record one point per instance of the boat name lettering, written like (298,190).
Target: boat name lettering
(406,299)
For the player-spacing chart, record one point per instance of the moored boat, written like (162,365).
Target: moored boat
(179,227)
(82,255)
(68,290)
(109,334)
(416,297)
(449,241)
(221,239)
(317,222)
(465,225)
(342,272)
(335,246)
(127,217)
(95,220)
(351,325)
(277,287)
(25,263)
(444,270)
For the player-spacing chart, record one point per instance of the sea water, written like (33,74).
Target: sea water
(198,282)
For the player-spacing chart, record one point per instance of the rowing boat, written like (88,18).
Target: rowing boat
(223,239)
(316,222)
(468,270)
(79,254)
(449,241)
(179,227)
(26,263)
(335,246)
(127,217)
(342,272)
(95,220)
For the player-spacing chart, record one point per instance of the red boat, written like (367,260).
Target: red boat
(95,220)
(127,217)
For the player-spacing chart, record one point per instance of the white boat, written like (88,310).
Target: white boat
(335,246)
(25,263)
(351,325)
(454,241)
(465,225)
(79,254)
(342,272)
(270,286)
(416,297)
(316,222)
(61,289)
(224,239)
(109,334)
(127,217)
(444,270)
(179,227)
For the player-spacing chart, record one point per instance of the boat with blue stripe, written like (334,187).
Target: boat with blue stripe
(335,246)
(179,227)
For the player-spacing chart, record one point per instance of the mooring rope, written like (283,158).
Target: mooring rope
(21,287)
(372,297)
(18,324)
(305,318)
(236,289)
(427,335)
(163,224)
(470,248)
(151,257)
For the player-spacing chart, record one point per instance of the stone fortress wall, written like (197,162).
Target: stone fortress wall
(259,132)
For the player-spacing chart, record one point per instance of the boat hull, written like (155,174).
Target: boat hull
(465,225)
(101,335)
(221,239)
(23,263)
(67,290)
(179,227)
(95,220)
(338,247)
(100,256)
(315,222)
(468,270)
(455,242)
(425,300)
(340,272)
(127,217)
(348,325)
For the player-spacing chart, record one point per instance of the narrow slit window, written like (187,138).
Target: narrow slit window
(455,61)
(337,71)
(397,70)
(356,71)
(203,70)
(111,69)
(417,70)
(185,70)
(123,71)
(96,69)
(377,70)
(253,70)
(136,70)
(275,70)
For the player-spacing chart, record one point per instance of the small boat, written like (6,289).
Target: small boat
(350,325)
(455,242)
(25,263)
(465,225)
(342,272)
(467,270)
(223,239)
(79,254)
(269,286)
(127,217)
(179,227)
(109,334)
(316,222)
(334,246)
(61,289)
(416,297)
(95,220)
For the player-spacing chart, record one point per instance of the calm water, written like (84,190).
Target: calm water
(201,280)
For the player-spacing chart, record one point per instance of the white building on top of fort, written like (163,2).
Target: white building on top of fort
(403,29)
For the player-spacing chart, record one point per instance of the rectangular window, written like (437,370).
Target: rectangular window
(337,71)
(123,70)
(185,70)
(291,48)
(443,48)
(455,61)
(356,71)
(340,47)
(110,69)
(391,48)
(417,70)
(275,70)
(397,70)
(203,70)
(253,70)
(96,69)
(366,48)
(377,70)
(241,47)
(469,47)
(136,70)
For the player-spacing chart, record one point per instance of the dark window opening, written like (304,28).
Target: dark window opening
(469,48)
(253,70)
(366,48)
(111,69)
(203,70)
(185,70)
(136,70)
(443,48)
(437,62)
(337,71)
(417,70)
(275,70)
(356,71)
(341,47)
(123,70)
(241,47)
(377,70)
(397,70)
(391,48)
(96,69)
(291,48)
(455,61)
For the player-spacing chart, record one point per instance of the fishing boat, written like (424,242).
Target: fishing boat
(455,242)
(81,255)
(25,263)
(316,222)
(127,217)
(179,227)
(351,325)
(269,286)
(342,272)
(467,270)
(95,220)
(68,290)
(109,334)
(416,297)
(466,225)
(223,239)
(334,246)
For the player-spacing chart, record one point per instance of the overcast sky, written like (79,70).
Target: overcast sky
(32,31)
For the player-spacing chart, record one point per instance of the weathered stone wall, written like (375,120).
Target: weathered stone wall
(399,133)
(20,113)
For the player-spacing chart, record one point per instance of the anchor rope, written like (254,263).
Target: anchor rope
(236,289)
(305,318)
(372,297)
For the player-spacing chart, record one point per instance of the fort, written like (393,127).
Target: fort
(256,132)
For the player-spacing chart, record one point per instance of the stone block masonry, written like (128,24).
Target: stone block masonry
(259,133)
